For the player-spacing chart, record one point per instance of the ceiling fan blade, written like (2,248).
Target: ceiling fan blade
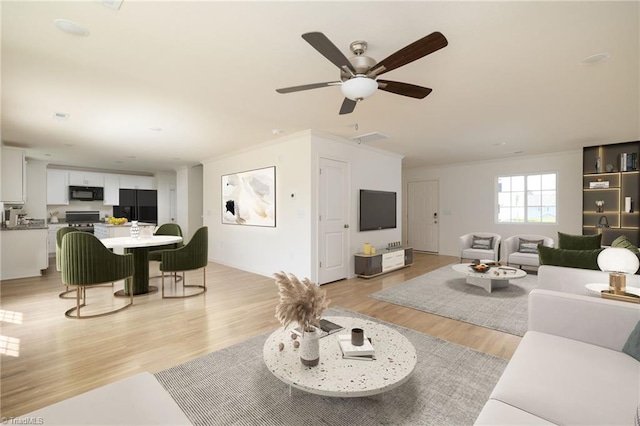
(404,89)
(416,50)
(322,44)
(307,87)
(347,106)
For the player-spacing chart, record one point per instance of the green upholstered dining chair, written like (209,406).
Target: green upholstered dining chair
(59,234)
(191,256)
(87,262)
(173,229)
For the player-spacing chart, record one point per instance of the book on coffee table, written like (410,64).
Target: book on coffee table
(350,350)
(326,326)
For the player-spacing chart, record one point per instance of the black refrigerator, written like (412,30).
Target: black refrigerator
(138,204)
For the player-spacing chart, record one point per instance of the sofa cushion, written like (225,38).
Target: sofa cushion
(482,243)
(623,242)
(528,246)
(583,259)
(632,346)
(565,381)
(579,242)
(498,413)
(524,259)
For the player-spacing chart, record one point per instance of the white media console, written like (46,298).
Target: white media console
(372,265)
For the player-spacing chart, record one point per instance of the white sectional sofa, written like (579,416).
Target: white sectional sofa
(573,280)
(136,400)
(569,368)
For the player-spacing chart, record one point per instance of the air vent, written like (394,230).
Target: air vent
(369,137)
(113,4)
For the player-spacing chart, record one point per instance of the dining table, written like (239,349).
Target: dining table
(139,247)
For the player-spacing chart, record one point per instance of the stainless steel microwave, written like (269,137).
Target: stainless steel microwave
(86,193)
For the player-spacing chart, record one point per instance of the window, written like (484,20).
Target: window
(527,199)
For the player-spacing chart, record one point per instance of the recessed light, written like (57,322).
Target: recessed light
(71,27)
(518,152)
(499,144)
(155,129)
(276,131)
(597,58)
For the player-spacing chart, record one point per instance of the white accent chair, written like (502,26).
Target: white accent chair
(468,252)
(513,256)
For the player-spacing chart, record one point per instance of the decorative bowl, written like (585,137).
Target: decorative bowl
(482,268)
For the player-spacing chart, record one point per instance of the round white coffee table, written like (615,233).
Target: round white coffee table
(495,277)
(333,376)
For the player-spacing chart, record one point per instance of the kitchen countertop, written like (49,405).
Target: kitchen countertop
(23,227)
(110,225)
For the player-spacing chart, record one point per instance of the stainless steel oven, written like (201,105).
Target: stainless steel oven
(83,220)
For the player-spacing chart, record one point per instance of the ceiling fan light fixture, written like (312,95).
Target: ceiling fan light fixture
(359,87)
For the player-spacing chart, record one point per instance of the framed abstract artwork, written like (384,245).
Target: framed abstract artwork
(249,198)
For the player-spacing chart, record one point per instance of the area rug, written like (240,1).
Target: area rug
(444,292)
(233,386)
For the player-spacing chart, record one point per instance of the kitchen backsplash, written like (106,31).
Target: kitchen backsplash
(80,206)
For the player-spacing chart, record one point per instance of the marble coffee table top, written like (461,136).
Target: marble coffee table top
(333,376)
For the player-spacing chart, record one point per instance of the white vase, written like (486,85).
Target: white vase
(310,348)
(135,230)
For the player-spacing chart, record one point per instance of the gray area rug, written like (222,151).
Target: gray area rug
(233,386)
(444,292)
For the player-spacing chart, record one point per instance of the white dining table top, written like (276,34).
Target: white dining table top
(147,241)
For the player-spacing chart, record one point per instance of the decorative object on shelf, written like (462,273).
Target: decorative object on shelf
(599,206)
(367,248)
(373,250)
(249,198)
(53,217)
(135,230)
(623,162)
(618,262)
(302,302)
(609,167)
(603,222)
(599,184)
(597,164)
(628,205)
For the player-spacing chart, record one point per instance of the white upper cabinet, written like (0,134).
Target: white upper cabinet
(13,176)
(81,178)
(137,182)
(111,190)
(57,187)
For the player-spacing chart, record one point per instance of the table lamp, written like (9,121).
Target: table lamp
(618,262)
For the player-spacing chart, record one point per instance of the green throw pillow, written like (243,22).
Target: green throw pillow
(623,242)
(583,259)
(579,242)
(632,347)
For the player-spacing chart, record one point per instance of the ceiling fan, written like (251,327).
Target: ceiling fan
(358,74)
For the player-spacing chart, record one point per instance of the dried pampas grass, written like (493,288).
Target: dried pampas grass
(300,301)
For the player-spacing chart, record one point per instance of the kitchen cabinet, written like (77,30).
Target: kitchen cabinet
(84,178)
(111,190)
(137,182)
(57,187)
(24,253)
(14,182)
(51,237)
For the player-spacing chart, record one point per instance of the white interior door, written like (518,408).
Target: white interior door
(422,215)
(333,223)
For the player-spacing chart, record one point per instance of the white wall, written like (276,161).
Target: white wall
(370,168)
(467,196)
(264,250)
(36,204)
(165,183)
(292,246)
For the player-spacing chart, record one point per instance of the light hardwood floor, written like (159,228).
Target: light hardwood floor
(58,357)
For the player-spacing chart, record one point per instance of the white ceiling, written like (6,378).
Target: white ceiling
(510,80)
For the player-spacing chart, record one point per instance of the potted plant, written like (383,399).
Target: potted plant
(302,302)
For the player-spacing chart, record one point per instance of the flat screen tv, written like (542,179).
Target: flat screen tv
(377,210)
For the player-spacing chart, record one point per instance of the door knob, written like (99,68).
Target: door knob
(346,225)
